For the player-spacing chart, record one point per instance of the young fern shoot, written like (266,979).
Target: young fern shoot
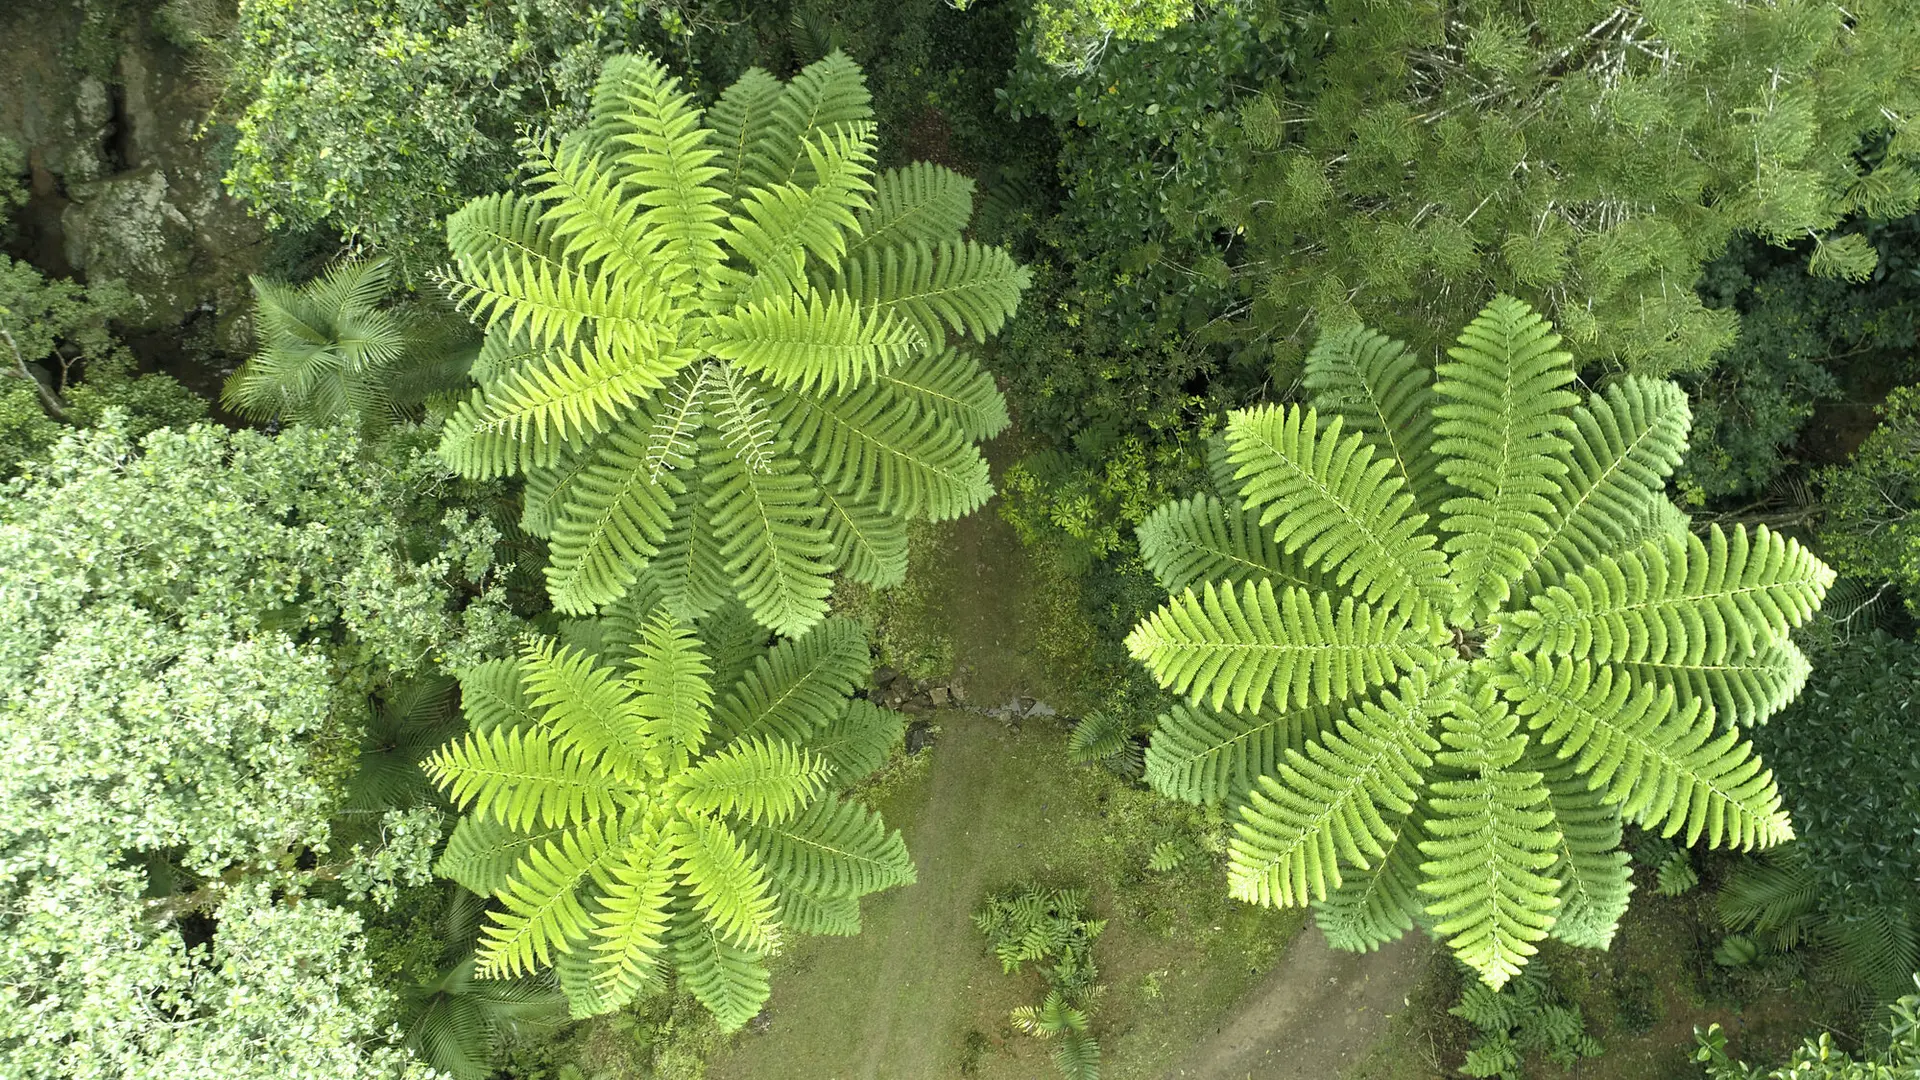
(1444,633)
(724,351)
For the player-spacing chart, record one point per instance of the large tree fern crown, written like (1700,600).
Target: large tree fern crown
(1444,633)
(725,351)
(631,821)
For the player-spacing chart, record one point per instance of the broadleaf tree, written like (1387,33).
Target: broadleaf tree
(723,350)
(1480,640)
(633,817)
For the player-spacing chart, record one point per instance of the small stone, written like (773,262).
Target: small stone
(883,677)
(1041,708)
(939,696)
(919,736)
(762,1021)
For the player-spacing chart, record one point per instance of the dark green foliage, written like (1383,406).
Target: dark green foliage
(1051,929)
(1528,1017)
(1800,337)
(1868,529)
(1820,1059)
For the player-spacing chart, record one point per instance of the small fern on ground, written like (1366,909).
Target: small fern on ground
(1527,1016)
(632,818)
(725,351)
(1050,929)
(1442,634)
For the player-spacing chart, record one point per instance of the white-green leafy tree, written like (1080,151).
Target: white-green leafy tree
(1445,633)
(651,800)
(718,345)
(189,630)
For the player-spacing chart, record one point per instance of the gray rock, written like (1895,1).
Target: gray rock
(919,736)
(939,697)
(1041,708)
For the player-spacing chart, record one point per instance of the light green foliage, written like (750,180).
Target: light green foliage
(1589,158)
(719,345)
(1527,1016)
(330,354)
(1452,721)
(1071,35)
(1868,530)
(631,821)
(48,329)
(189,630)
(378,122)
(1819,1059)
(1051,929)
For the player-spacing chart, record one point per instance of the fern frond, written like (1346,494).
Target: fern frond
(1877,945)
(480,853)
(812,340)
(858,741)
(1239,647)
(629,933)
(869,544)
(1675,598)
(542,911)
(614,519)
(920,203)
(825,94)
(1625,444)
(754,779)
(1656,756)
(492,698)
(1379,904)
(1334,802)
(1329,499)
(581,702)
(799,686)
(728,885)
(834,849)
(773,545)
(832,916)
(669,680)
(1077,1055)
(1491,843)
(673,435)
(588,209)
(666,155)
(1502,441)
(690,569)
(1770,894)
(1384,391)
(1595,877)
(1741,691)
(777,227)
(1198,755)
(956,285)
(863,444)
(544,498)
(736,121)
(519,777)
(954,389)
(729,980)
(505,226)
(1202,539)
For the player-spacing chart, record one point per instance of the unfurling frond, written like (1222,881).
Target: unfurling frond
(1336,800)
(1503,443)
(1380,388)
(1241,648)
(1202,539)
(1329,499)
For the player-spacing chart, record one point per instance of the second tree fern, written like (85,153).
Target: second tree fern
(723,350)
(1445,633)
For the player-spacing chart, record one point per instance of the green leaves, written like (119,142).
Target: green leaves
(1399,726)
(626,825)
(1243,647)
(720,349)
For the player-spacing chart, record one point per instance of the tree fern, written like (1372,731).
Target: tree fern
(629,821)
(1447,719)
(734,305)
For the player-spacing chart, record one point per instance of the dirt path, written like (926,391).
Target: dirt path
(1315,1016)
